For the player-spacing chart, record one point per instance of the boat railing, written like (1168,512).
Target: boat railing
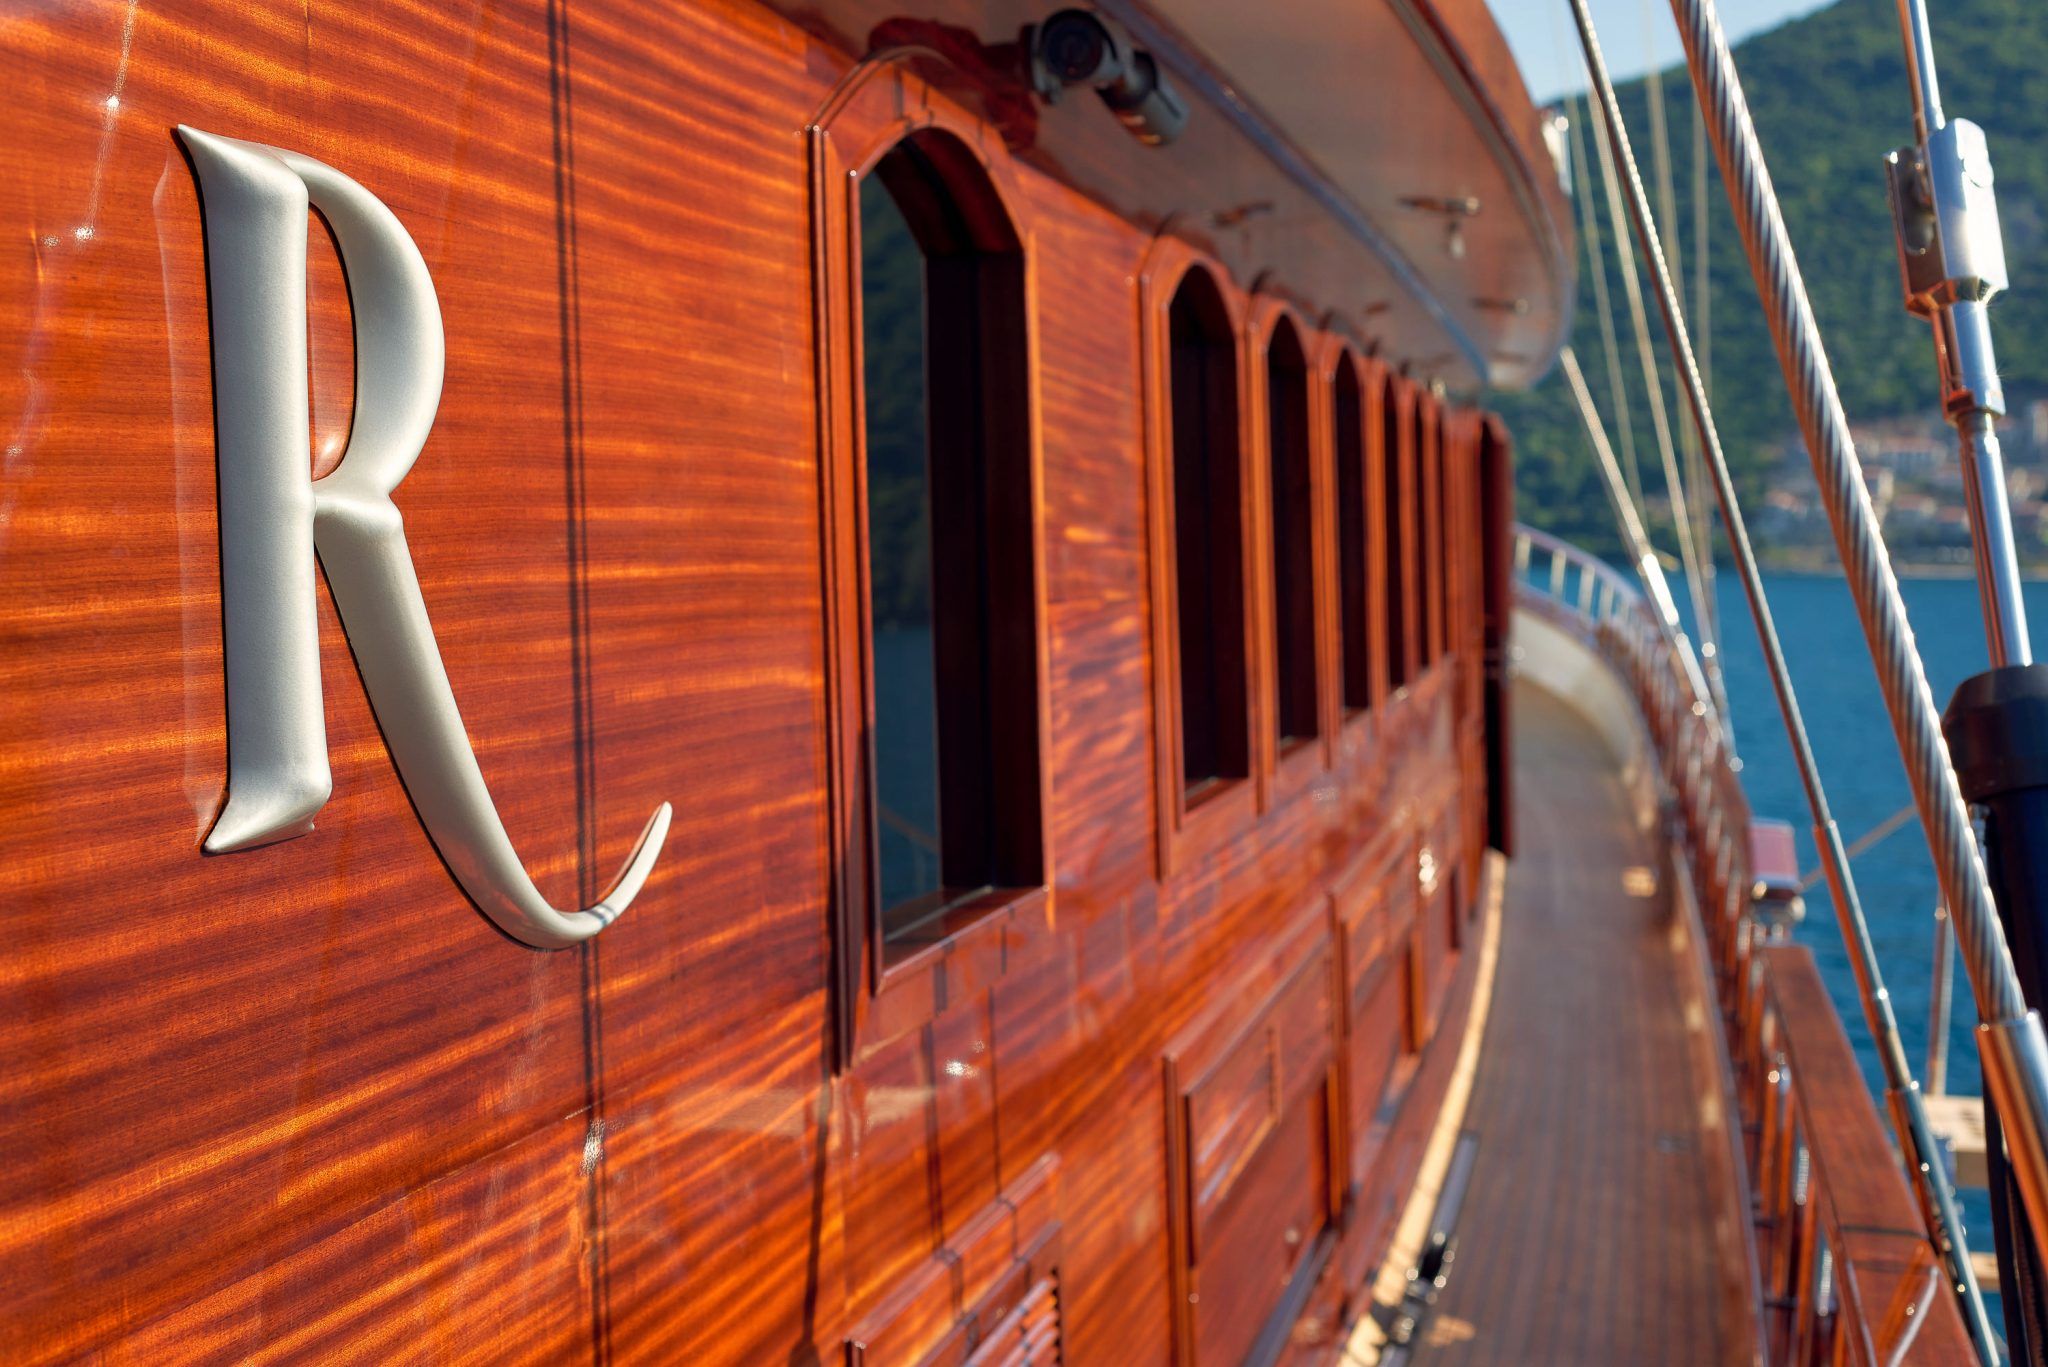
(1847,1271)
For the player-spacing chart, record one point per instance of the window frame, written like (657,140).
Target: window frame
(1429,468)
(881,985)
(1341,354)
(1460,537)
(1281,775)
(1187,831)
(1398,399)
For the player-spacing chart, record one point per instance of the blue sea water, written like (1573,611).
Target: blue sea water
(1866,783)
(1859,760)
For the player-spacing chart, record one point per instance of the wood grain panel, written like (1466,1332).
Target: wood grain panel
(305,1101)
(416,1281)
(339,1026)
(963,1105)
(1280,772)
(1373,924)
(1249,1090)
(1257,1240)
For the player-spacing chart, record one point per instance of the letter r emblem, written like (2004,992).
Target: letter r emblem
(274,517)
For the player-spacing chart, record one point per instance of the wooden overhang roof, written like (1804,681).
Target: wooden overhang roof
(1400,107)
(1327,144)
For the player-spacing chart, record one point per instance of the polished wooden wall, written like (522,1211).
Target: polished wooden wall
(304,1103)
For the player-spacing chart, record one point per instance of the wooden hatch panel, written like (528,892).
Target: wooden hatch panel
(1249,1089)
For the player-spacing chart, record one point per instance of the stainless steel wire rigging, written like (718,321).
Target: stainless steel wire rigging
(1646,354)
(1642,555)
(1916,1135)
(1610,346)
(1689,462)
(2015,1049)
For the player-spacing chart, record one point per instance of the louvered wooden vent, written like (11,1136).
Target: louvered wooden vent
(1028,1336)
(990,1298)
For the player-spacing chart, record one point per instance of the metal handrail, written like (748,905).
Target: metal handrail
(1560,550)
(1916,1135)
(2011,1036)
(1819,1294)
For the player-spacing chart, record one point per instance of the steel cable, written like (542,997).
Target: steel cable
(1882,613)
(1937,1199)
(1653,384)
(1688,441)
(1603,307)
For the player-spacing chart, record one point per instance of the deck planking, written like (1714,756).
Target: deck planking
(1594,1227)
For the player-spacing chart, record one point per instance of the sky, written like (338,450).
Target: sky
(1634,36)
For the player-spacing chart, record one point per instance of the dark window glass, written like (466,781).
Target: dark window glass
(949,546)
(1293,533)
(1395,582)
(1430,506)
(1208,531)
(1446,544)
(1348,439)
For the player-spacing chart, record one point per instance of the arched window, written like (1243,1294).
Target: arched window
(1354,615)
(948,554)
(1396,582)
(1291,529)
(1207,538)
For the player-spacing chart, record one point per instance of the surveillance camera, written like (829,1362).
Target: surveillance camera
(1153,110)
(1079,47)
(1074,47)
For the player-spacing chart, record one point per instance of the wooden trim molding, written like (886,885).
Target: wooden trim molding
(1357,729)
(1187,830)
(879,106)
(1282,774)
(1377,396)
(1496,516)
(1429,472)
(1399,395)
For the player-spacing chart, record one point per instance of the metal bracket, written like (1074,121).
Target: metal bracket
(1951,255)
(1945,217)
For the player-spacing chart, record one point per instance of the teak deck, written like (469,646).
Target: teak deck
(1596,1224)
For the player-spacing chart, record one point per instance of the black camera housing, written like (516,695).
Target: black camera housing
(1079,47)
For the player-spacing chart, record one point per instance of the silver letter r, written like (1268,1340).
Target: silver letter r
(274,516)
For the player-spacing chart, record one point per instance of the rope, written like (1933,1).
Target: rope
(1702,312)
(1647,569)
(1702,305)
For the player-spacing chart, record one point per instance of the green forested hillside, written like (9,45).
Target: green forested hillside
(1830,99)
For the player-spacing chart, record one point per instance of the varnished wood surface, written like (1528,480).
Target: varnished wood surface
(1589,1234)
(1440,75)
(1831,1259)
(1886,1300)
(304,1103)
